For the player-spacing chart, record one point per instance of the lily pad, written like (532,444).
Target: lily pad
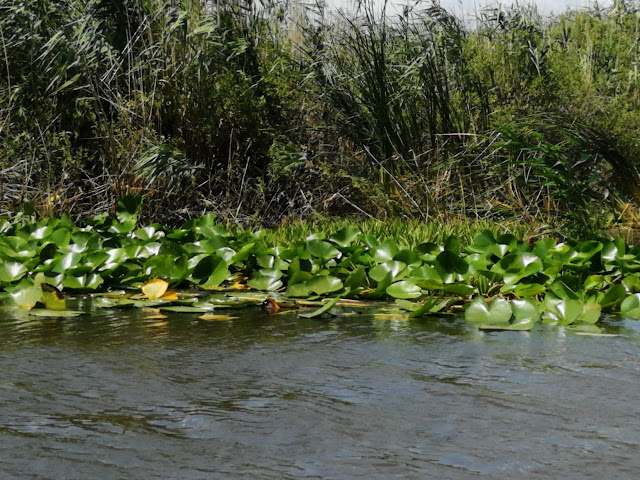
(404,289)
(496,313)
(323,284)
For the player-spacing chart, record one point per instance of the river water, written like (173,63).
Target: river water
(120,396)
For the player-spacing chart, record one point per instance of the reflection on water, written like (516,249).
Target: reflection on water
(130,394)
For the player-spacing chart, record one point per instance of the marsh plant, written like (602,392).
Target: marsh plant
(267,110)
(501,282)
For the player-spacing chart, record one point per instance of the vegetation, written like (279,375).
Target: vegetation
(567,283)
(275,111)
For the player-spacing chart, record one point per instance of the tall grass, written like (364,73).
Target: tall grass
(268,111)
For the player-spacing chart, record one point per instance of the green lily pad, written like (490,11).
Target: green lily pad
(27,297)
(404,289)
(323,250)
(83,282)
(128,207)
(12,271)
(298,290)
(356,279)
(323,284)
(346,236)
(266,279)
(396,269)
(630,307)
(497,313)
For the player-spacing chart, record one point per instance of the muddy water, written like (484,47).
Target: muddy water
(117,396)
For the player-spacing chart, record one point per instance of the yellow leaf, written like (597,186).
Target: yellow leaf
(169,296)
(239,286)
(219,318)
(154,289)
(52,297)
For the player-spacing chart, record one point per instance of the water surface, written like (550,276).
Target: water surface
(117,395)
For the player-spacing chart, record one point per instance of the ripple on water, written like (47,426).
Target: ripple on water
(133,394)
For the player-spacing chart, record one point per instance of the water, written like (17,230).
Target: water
(117,396)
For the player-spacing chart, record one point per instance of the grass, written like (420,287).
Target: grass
(287,111)
(409,233)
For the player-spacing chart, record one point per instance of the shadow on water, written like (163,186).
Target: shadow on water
(134,394)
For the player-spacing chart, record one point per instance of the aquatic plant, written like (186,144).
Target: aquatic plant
(502,282)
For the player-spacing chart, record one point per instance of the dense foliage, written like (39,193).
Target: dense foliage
(263,111)
(566,283)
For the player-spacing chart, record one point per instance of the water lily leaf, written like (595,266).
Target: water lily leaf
(404,289)
(128,207)
(244,253)
(630,307)
(523,325)
(123,227)
(543,246)
(613,297)
(12,271)
(613,250)
(266,279)
(60,237)
(385,251)
(528,289)
(482,242)
(583,252)
(346,236)
(148,233)
(408,257)
(525,310)
(323,284)
(298,290)
(27,297)
(519,265)
(594,282)
(95,260)
(325,308)
(563,311)
(299,277)
(631,283)
(265,261)
(211,230)
(452,244)
(82,282)
(381,290)
(566,287)
(459,288)
(426,277)
(167,266)
(429,306)
(395,268)
(52,298)
(211,271)
(68,261)
(356,279)
(497,313)
(212,245)
(449,265)
(41,233)
(154,289)
(323,250)
(590,312)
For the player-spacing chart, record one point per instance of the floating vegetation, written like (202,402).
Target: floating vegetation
(501,283)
